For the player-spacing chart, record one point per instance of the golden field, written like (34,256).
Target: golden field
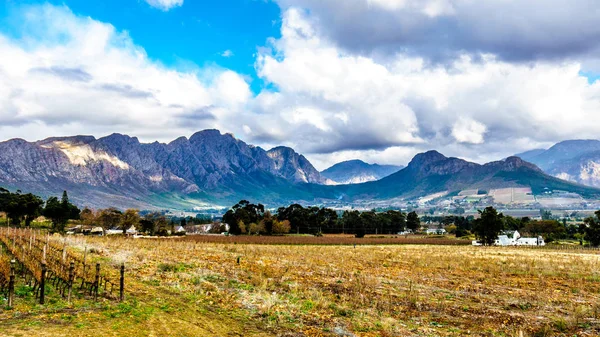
(183,287)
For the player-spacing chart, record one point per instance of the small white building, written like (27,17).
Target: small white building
(434,231)
(132,230)
(513,238)
(97,231)
(539,241)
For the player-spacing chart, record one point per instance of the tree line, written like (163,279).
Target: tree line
(491,224)
(22,209)
(248,218)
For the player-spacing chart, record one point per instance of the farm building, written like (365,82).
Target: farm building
(513,238)
(132,230)
(438,231)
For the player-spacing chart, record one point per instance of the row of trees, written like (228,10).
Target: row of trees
(22,209)
(245,217)
(151,223)
(491,224)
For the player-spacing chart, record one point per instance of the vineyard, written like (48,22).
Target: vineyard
(39,262)
(196,287)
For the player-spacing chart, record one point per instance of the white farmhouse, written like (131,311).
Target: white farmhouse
(513,238)
(438,231)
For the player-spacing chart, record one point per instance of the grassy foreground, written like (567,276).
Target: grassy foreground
(189,288)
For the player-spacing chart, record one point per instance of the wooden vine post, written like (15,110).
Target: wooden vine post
(97,282)
(71,279)
(43,283)
(122,283)
(84,266)
(11,284)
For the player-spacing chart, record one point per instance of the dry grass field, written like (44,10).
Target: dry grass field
(187,287)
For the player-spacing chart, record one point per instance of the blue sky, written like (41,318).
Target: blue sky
(377,80)
(198,32)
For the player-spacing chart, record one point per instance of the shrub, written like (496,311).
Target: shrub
(281,227)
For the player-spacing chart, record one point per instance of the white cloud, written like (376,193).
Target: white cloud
(227,53)
(165,5)
(93,79)
(468,131)
(442,30)
(75,75)
(479,108)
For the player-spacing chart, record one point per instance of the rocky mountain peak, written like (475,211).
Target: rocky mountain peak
(512,163)
(74,140)
(293,166)
(209,134)
(426,158)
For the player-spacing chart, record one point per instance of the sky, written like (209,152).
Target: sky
(377,80)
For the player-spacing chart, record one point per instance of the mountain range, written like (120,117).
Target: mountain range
(211,168)
(573,160)
(357,171)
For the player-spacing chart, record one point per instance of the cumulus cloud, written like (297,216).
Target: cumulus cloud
(442,30)
(73,75)
(468,131)
(227,53)
(70,75)
(165,5)
(334,101)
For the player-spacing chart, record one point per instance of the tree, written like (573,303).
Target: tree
(245,212)
(256,228)
(88,217)
(591,229)
(513,223)
(327,219)
(131,217)
(147,226)
(488,226)
(155,224)
(397,221)
(281,227)
(241,228)
(71,210)
(19,207)
(352,221)
(412,221)
(549,229)
(109,218)
(295,214)
(60,212)
(268,222)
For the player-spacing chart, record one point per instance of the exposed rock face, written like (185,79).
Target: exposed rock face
(574,160)
(431,172)
(118,170)
(208,162)
(357,171)
(293,166)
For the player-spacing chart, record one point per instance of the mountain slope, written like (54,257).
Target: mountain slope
(357,171)
(208,166)
(432,172)
(573,160)
(293,166)
(212,168)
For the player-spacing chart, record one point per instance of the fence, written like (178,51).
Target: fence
(40,261)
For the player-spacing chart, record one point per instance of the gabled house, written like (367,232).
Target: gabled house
(434,231)
(513,238)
